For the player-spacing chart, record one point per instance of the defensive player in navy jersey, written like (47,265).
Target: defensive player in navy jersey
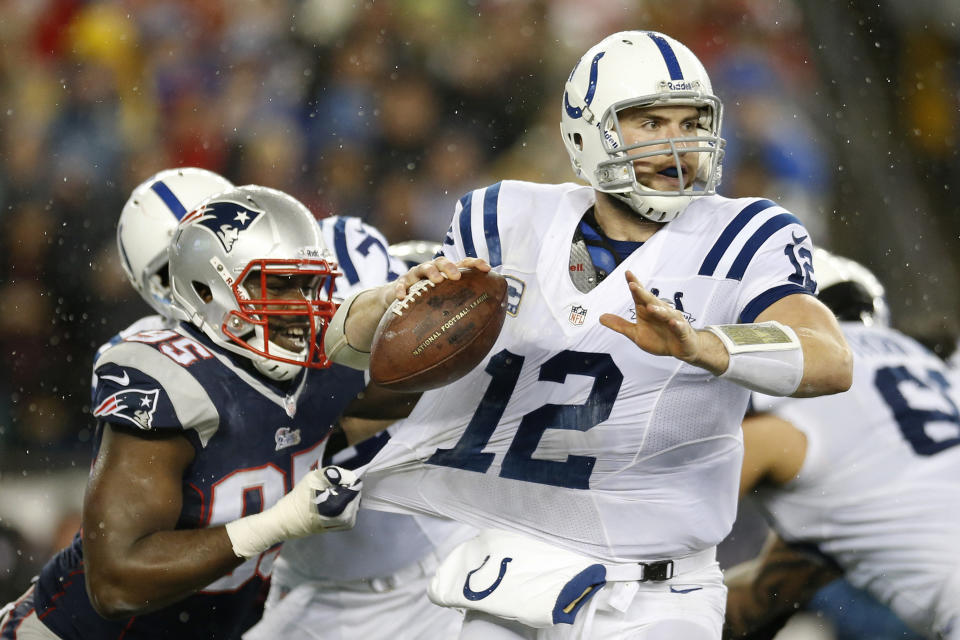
(369,582)
(203,429)
(602,465)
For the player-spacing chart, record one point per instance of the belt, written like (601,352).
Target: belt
(660,570)
(425,566)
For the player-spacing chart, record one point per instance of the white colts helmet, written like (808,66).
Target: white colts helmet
(243,235)
(147,222)
(639,69)
(849,289)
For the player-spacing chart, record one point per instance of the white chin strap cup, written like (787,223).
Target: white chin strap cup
(274,369)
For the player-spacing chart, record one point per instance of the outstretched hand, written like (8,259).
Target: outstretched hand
(660,329)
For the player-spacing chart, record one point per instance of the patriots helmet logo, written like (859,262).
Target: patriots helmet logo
(227,220)
(136,406)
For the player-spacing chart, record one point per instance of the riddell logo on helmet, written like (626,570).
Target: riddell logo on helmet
(611,140)
(681,85)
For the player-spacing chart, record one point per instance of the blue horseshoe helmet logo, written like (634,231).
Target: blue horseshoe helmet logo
(577,112)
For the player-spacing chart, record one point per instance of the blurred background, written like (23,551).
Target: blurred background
(844,112)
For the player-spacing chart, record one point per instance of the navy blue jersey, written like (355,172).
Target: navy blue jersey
(253,441)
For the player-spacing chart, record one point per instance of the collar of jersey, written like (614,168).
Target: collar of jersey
(243,368)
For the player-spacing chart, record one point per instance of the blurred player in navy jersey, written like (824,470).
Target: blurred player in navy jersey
(602,473)
(369,582)
(870,477)
(209,433)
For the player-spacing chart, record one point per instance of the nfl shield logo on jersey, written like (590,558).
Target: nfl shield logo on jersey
(286,437)
(577,315)
(515,287)
(134,405)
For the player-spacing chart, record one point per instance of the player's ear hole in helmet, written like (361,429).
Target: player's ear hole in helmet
(249,268)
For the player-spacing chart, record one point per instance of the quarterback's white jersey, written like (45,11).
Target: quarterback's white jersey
(361,254)
(879,488)
(568,431)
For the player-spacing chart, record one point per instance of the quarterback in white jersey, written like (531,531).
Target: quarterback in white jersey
(587,457)
(870,477)
(371,581)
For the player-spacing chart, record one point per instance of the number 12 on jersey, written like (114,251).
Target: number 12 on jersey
(518,462)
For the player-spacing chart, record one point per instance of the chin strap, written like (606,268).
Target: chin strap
(653,207)
(274,369)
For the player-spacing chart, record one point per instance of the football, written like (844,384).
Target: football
(438,332)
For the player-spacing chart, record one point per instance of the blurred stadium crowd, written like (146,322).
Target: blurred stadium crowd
(392,110)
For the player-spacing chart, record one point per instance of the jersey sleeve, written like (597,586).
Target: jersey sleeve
(145,323)
(361,254)
(475,230)
(137,386)
(775,261)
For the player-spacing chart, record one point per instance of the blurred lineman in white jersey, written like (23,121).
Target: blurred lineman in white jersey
(369,582)
(600,454)
(870,477)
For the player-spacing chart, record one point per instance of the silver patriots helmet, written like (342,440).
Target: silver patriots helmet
(225,262)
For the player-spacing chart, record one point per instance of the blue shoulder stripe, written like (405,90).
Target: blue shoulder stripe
(490,229)
(726,238)
(466,232)
(767,298)
(176,207)
(343,253)
(753,245)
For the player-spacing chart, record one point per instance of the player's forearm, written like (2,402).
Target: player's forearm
(827,360)
(711,354)
(156,570)
(365,314)
(349,337)
(827,364)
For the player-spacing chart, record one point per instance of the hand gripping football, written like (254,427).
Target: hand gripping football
(438,332)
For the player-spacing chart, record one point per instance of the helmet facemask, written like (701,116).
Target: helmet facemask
(640,69)
(617,175)
(282,328)
(231,265)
